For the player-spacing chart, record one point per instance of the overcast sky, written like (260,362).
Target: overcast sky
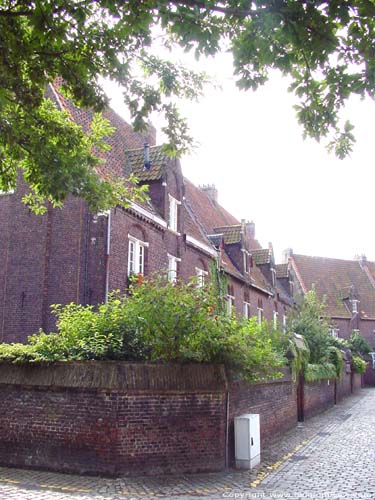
(300,196)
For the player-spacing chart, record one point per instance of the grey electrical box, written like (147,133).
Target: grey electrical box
(247,441)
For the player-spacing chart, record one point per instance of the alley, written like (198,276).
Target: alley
(331,456)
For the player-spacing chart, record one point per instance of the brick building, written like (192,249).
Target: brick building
(348,287)
(72,255)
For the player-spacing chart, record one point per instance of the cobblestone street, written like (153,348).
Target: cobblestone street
(331,456)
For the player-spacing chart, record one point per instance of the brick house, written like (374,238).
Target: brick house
(348,287)
(72,255)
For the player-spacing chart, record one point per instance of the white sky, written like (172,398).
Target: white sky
(298,195)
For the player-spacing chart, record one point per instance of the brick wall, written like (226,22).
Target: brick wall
(318,396)
(357,381)
(274,401)
(170,419)
(116,418)
(344,384)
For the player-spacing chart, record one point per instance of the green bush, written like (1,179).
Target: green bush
(157,321)
(321,371)
(310,320)
(359,364)
(358,345)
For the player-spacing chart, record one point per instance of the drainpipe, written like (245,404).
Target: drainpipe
(227,432)
(107,255)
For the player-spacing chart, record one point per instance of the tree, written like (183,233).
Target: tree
(326,47)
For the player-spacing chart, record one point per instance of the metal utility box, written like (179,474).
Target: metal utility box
(247,441)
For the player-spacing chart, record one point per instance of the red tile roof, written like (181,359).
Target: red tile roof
(335,279)
(122,139)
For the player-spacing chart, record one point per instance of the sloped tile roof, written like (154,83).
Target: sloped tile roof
(282,270)
(209,213)
(135,163)
(122,139)
(334,279)
(261,256)
(231,234)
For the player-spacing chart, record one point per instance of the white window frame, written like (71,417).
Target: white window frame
(355,306)
(285,317)
(172,268)
(334,332)
(273,274)
(173,214)
(275,319)
(260,315)
(246,310)
(136,265)
(201,275)
(5,193)
(230,304)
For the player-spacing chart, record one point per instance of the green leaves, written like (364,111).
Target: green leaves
(159,321)
(326,48)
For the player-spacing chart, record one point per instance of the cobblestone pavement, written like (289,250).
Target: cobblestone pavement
(331,456)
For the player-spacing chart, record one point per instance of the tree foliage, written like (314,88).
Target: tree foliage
(325,47)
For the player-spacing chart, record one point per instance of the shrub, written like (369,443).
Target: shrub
(321,371)
(359,364)
(358,345)
(158,321)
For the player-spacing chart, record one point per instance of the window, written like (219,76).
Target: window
(4,193)
(273,274)
(260,311)
(284,322)
(230,304)
(173,213)
(245,261)
(172,267)
(201,275)
(275,319)
(355,306)
(230,300)
(334,332)
(136,256)
(246,310)
(291,286)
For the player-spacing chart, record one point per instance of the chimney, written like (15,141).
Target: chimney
(210,190)
(147,162)
(250,227)
(287,254)
(362,259)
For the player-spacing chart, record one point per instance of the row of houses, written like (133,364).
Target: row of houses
(73,255)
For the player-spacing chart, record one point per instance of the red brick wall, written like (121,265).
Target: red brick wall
(357,381)
(115,432)
(343,386)
(274,401)
(318,396)
(116,418)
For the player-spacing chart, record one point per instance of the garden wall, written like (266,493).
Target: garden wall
(116,418)
(318,396)
(344,386)
(275,402)
(112,418)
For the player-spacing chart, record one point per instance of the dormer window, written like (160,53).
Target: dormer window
(273,274)
(173,213)
(246,261)
(354,306)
